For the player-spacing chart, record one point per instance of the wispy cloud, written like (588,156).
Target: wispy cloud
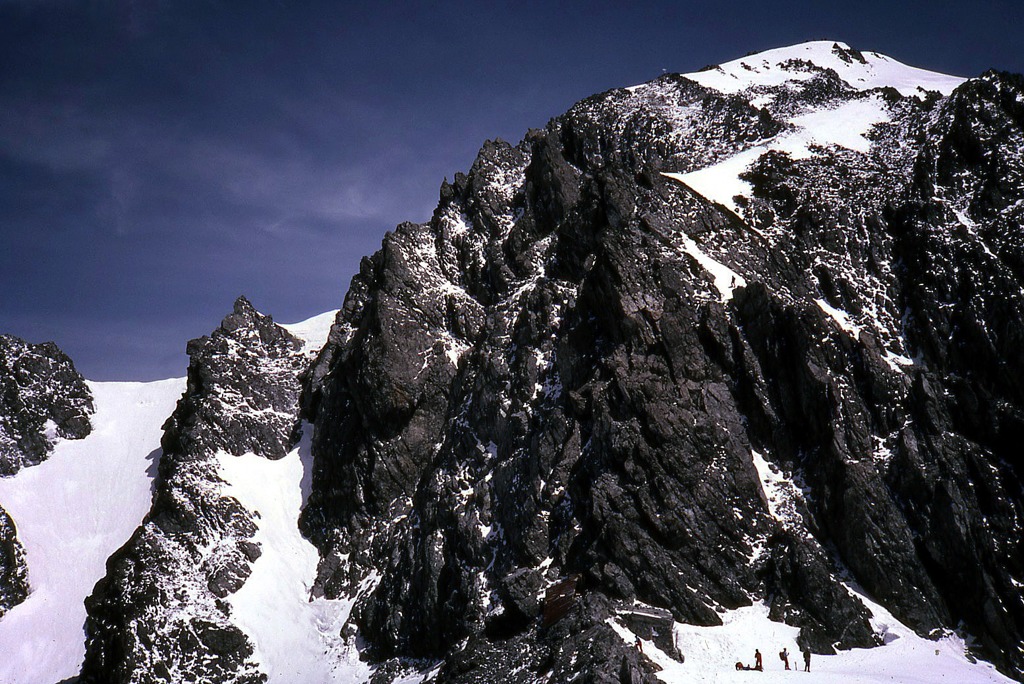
(148,162)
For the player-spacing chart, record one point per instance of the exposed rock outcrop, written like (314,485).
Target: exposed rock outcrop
(14,585)
(159,614)
(42,397)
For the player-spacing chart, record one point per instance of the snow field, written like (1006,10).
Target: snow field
(296,639)
(711,654)
(313,331)
(72,512)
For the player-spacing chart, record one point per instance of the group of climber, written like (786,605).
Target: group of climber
(783,656)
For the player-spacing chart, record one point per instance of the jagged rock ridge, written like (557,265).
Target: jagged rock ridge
(42,397)
(582,366)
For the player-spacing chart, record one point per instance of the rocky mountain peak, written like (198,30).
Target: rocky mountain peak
(793,64)
(162,603)
(42,398)
(245,322)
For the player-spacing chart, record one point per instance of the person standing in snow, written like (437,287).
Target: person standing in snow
(784,656)
(757,661)
(807,660)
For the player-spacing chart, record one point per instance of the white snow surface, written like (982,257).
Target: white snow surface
(72,512)
(296,639)
(725,279)
(313,331)
(773,67)
(711,654)
(843,126)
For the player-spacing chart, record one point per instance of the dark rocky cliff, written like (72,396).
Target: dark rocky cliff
(14,585)
(553,378)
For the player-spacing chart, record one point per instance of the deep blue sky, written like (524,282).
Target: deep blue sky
(160,157)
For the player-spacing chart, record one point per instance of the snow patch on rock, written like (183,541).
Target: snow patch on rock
(846,125)
(313,331)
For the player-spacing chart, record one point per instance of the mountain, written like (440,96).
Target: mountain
(584,367)
(161,608)
(726,360)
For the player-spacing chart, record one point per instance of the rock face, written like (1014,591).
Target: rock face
(14,585)
(42,397)
(581,366)
(159,615)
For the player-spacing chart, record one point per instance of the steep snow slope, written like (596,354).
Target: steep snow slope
(72,512)
(313,331)
(296,637)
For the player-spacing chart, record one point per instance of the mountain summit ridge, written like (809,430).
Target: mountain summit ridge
(859,70)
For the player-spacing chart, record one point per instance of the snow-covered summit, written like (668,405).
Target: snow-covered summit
(861,70)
